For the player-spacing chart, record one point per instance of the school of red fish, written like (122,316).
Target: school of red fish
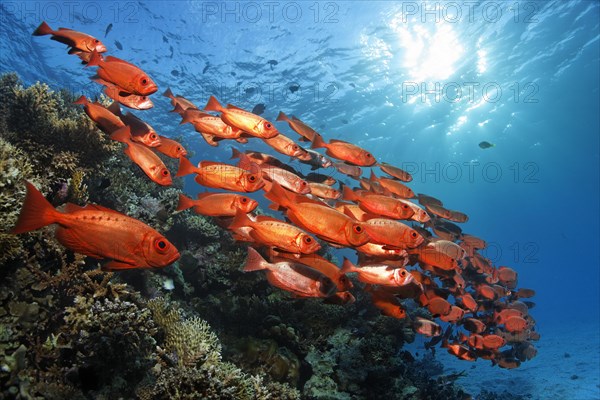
(406,249)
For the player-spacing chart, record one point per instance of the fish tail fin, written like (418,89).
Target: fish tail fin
(348,194)
(213,105)
(115,108)
(81,100)
(43,29)
(184,202)
(185,167)
(347,267)
(282,117)
(278,195)
(36,213)
(317,142)
(168,93)
(373,177)
(95,59)
(235,153)
(240,220)
(254,261)
(179,110)
(186,116)
(122,135)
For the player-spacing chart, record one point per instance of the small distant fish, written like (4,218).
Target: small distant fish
(345,121)
(272,63)
(353,85)
(171,50)
(108,28)
(206,67)
(175,72)
(294,88)
(486,145)
(259,109)
(165,39)
(118,45)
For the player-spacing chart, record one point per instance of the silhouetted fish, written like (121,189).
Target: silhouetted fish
(108,28)
(486,145)
(175,72)
(294,88)
(206,68)
(272,63)
(118,45)
(258,109)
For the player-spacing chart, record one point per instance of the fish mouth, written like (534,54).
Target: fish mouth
(174,258)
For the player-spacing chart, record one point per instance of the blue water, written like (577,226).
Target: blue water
(521,75)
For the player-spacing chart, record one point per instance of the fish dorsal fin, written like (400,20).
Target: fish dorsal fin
(204,164)
(347,212)
(201,196)
(232,107)
(338,141)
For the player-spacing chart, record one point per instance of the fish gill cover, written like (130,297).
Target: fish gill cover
(309,324)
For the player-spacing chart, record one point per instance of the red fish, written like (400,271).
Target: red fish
(104,118)
(242,119)
(393,233)
(271,232)
(379,274)
(217,204)
(221,176)
(98,232)
(378,204)
(386,302)
(171,148)
(345,151)
(127,99)
(284,145)
(323,221)
(307,133)
(180,101)
(212,128)
(126,76)
(78,41)
(145,158)
(296,278)
(396,172)
(141,131)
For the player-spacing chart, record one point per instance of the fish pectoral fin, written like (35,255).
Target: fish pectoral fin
(115,265)
(70,238)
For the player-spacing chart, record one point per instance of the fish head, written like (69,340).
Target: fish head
(179,151)
(245,204)
(404,209)
(307,244)
(159,252)
(162,176)
(150,139)
(402,277)
(356,234)
(266,129)
(344,283)
(301,186)
(367,159)
(251,182)
(143,84)
(95,44)
(412,238)
(141,103)
(326,286)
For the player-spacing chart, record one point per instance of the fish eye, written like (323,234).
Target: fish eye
(96,41)
(252,178)
(308,239)
(144,97)
(268,125)
(358,229)
(178,148)
(165,172)
(244,199)
(144,81)
(161,245)
(404,206)
(413,234)
(403,273)
(153,136)
(369,155)
(303,183)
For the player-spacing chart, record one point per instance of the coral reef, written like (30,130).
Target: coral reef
(69,330)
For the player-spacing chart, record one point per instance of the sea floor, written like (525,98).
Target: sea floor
(567,367)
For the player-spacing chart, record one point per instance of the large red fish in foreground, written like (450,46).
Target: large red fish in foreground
(98,232)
